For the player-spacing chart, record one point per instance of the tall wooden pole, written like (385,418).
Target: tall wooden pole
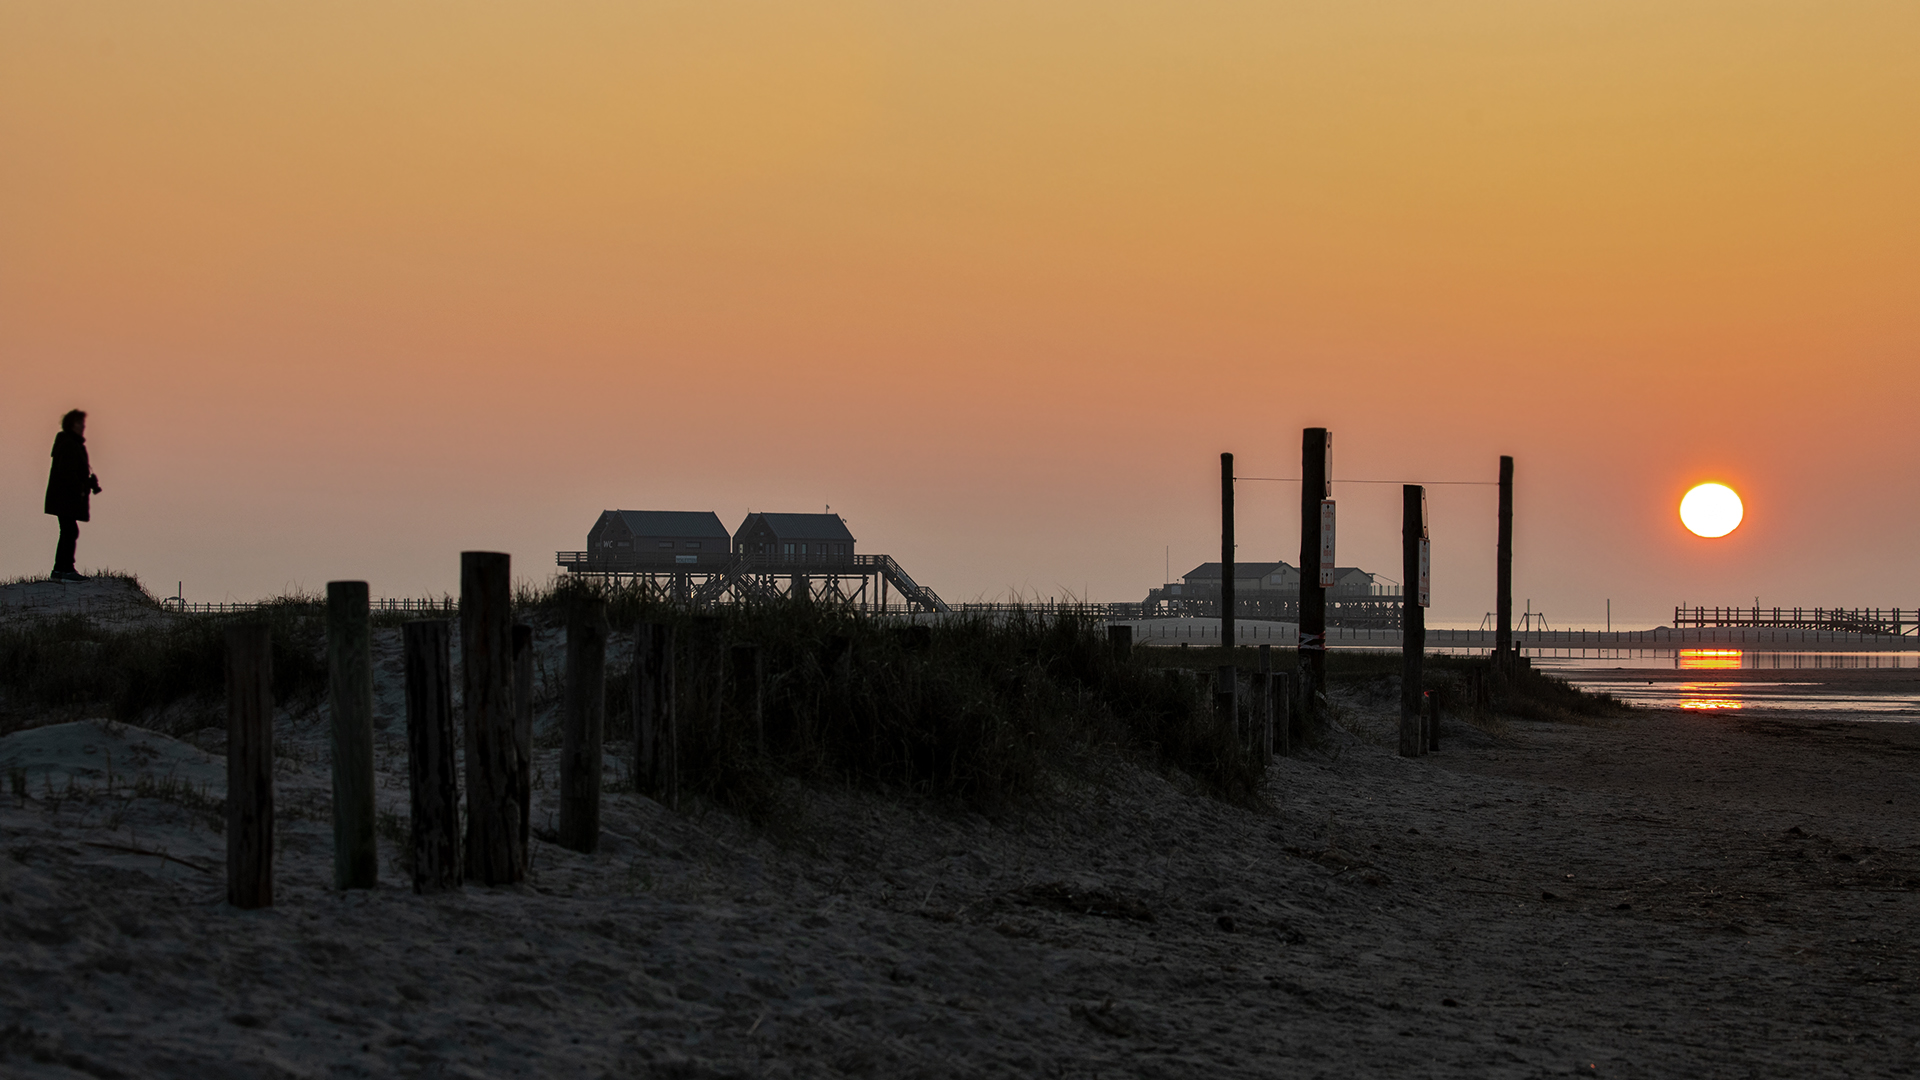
(250,765)
(1313,598)
(356,865)
(430,755)
(1503,571)
(495,852)
(1413,617)
(583,726)
(1226,555)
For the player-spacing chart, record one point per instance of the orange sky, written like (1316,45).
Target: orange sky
(348,289)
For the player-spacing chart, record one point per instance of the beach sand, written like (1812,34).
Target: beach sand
(1667,894)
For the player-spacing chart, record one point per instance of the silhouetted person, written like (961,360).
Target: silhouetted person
(69,486)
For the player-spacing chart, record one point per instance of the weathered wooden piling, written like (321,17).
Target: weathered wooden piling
(1120,640)
(434,783)
(496,851)
(1226,554)
(583,725)
(1503,574)
(746,679)
(523,731)
(1413,624)
(656,736)
(249,664)
(356,865)
(1315,447)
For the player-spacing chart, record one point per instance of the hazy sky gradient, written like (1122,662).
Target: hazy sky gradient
(349,288)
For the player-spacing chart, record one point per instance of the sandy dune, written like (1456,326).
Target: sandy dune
(1668,895)
(110,602)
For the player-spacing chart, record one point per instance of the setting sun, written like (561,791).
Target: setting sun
(1711,510)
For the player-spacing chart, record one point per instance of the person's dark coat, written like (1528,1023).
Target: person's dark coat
(71,481)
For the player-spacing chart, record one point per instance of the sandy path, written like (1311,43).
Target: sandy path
(1392,919)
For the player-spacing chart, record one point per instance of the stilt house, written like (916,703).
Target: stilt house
(655,537)
(802,537)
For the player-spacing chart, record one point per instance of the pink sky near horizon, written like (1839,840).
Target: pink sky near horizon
(347,291)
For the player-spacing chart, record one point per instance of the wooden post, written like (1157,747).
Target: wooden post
(523,731)
(250,765)
(747,675)
(1120,640)
(428,645)
(1503,573)
(1413,623)
(1226,555)
(356,865)
(1314,487)
(496,854)
(656,750)
(584,724)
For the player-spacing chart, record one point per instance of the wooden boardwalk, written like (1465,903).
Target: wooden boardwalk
(1893,621)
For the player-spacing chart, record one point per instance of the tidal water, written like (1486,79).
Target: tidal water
(1859,686)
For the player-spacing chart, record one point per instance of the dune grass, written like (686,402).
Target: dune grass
(70,666)
(981,710)
(976,709)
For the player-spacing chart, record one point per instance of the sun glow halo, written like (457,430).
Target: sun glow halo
(1711,510)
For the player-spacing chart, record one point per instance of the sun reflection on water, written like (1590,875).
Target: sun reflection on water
(1709,695)
(1708,659)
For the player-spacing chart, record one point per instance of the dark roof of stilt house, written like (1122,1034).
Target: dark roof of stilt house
(1240,569)
(702,523)
(1255,569)
(802,526)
